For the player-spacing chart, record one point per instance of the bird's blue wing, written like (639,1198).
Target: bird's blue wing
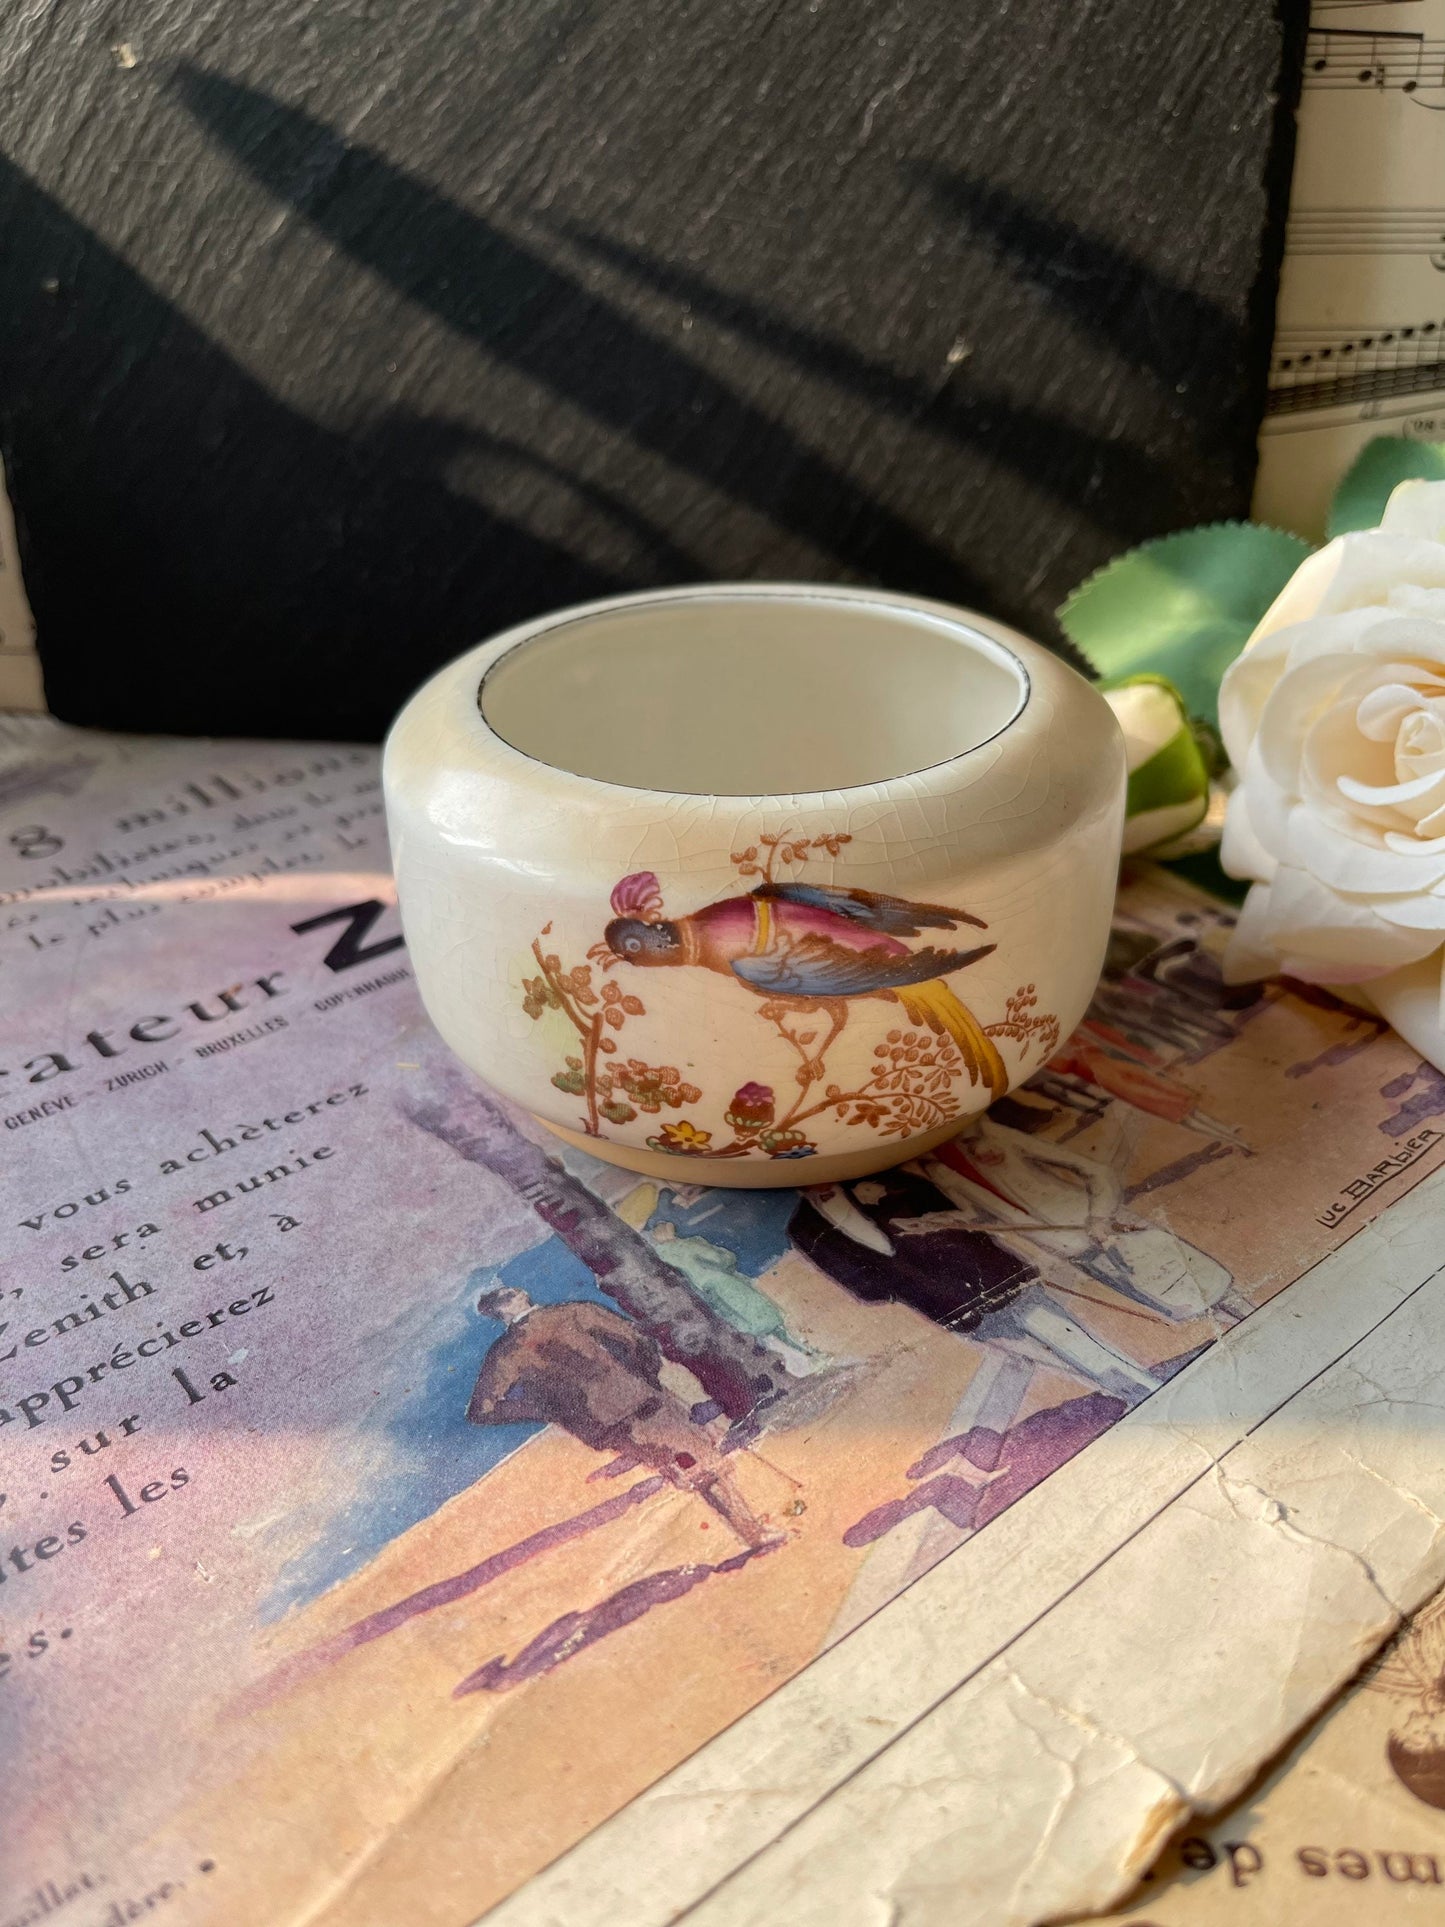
(890,916)
(815,966)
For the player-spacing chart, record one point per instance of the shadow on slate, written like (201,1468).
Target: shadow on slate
(1129,490)
(201,557)
(969,387)
(507,300)
(1150,321)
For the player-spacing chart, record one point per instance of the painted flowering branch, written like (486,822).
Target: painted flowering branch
(618,1090)
(787,848)
(571,992)
(1022,1025)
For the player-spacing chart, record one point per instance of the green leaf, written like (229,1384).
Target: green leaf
(1381,466)
(1182,606)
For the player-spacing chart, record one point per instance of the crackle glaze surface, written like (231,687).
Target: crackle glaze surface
(771,989)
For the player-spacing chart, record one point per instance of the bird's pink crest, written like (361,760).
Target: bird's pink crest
(639,896)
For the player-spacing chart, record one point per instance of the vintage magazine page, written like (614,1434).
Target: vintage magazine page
(1350,1826)
(1359,346)
(1103,1450)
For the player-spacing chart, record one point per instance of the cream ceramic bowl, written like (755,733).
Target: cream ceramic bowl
(756,884)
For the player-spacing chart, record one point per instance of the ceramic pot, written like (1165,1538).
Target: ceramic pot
(756,884)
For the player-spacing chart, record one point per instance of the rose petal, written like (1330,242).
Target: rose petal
(1416,508)
(1412,1001)
(1373,561)
(1244,690)
(1336,748)
(1342,863)
(1296,926)
(1411,844)
(1305,693)
(1388,793)
(1417,640)
(1412,912)
(1355,821)
(1251,677)
(1240,850)
(1311,970)
(1310,921)
(1383,710)
(1301,596)
(1411,599)
(1270,808)
(1332,748)
(1420,741)
(1334,716)
(1250,952)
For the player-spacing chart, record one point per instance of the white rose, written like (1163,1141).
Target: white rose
(1334,719)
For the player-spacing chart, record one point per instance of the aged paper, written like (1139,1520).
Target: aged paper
(1085,1486)
(1023,1725)
(1359,344)
(1349,1826)
(20,683)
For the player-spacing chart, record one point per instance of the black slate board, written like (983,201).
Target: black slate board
(333,338)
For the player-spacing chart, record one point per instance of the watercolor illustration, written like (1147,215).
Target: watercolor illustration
(675,1337)
(599,1376)
(808,953)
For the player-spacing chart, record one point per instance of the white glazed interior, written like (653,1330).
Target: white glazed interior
(731,693)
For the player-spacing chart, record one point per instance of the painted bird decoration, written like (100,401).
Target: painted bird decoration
(814,946)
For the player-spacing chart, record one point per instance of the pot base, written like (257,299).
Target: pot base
(771,1174)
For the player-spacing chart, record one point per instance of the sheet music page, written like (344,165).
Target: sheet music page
(1359,346)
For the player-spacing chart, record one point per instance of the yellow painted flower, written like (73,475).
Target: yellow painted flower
(681,1136)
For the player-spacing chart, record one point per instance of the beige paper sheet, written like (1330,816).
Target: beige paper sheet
(1348,1827)
(1097,1473)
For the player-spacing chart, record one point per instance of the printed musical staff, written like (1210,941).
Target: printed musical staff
(1360,334)
(1332,368)
(1356,57)
(1368,230)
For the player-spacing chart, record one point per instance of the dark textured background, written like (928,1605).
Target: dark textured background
(335,336)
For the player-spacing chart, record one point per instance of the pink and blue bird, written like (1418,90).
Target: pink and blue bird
(814,944)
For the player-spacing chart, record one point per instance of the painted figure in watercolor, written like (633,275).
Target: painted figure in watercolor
(899,1238)
(956,1277)
(594,1373)
(713,1272)
(1054,1202)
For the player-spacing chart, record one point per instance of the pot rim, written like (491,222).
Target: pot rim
(980,633)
